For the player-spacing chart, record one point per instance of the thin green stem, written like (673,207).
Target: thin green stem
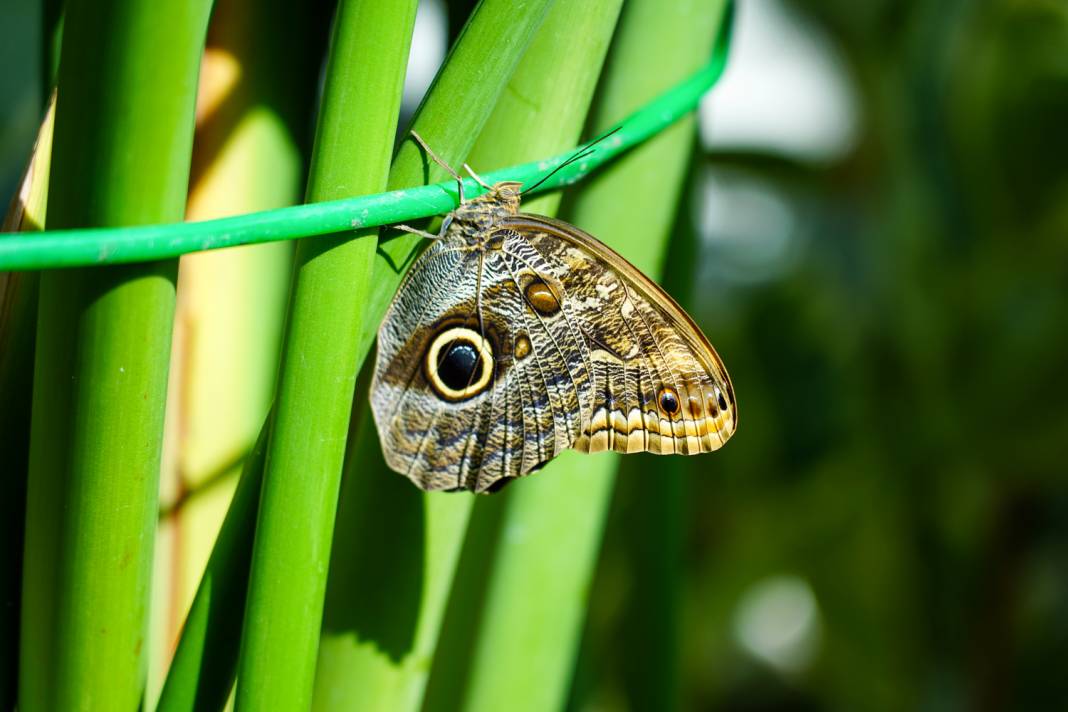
(302,472)
(123,133)
(83,247)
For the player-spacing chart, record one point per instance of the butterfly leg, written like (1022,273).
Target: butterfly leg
(417,231)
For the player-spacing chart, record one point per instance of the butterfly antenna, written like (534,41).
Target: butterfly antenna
(477,177)
(442,163)
(581,153)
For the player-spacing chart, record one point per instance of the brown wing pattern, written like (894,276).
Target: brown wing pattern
(424,436)
(658,385)
(496,355)
(445,431)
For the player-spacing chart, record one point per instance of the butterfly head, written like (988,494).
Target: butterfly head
(474,218)
(505,194)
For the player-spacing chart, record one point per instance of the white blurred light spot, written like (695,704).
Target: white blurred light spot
(428,51)
(777,621)
(785,89)
(750,232)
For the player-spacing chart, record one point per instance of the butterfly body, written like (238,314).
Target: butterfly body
(516,336)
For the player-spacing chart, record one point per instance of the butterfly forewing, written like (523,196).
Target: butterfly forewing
(422,436)
(450,429)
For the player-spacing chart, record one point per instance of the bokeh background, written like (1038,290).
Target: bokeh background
(875,237)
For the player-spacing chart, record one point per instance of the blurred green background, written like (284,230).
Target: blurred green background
(881,216)
(875,238)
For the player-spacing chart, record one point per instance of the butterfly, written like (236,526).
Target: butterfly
(516,336)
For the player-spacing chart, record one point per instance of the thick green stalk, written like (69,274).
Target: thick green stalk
(537,595)
(394,558)
(249,154)
(545,107)
(123,132)
(395,549)
(287,580)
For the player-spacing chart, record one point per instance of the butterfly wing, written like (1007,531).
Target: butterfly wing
(491,361)
(473,385)
(657,384)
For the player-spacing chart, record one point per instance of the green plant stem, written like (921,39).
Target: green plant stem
(123,134)
(248,154)
(70,248)
(537,593)
(545,106)
(395,549)
(302,473)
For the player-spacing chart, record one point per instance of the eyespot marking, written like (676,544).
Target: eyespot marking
(668,400)
(541,298)
(523,347)
(695,407)
(713,408)
(458,364)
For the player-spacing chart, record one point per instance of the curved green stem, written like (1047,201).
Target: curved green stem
(391,575)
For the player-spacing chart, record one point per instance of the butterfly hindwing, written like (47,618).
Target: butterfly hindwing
(658,385)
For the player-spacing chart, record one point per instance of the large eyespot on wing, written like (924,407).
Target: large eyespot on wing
(458,363)
(474,384)
(434,366)
(658,385)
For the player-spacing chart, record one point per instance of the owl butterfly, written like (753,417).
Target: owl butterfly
(515,336)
